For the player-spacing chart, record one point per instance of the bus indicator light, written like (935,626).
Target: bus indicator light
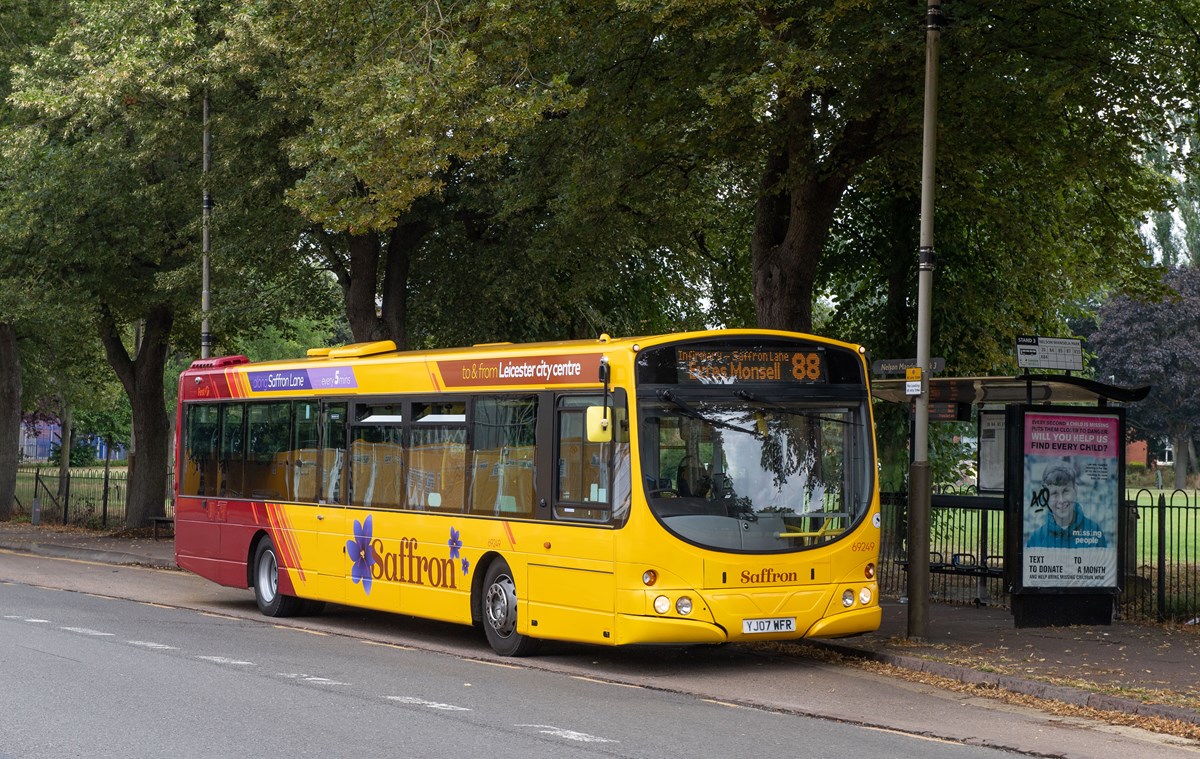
(649,577)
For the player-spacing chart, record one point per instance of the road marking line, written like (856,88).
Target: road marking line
(604,682)
(86,631)
(301,629)
(429,704)
(310,678)
(725,703)
(226,660)
(571,735)
(149,644)
(388,645)
(494,664)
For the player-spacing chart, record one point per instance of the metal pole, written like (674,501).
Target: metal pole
(919,476)
(205,333)
(1161,596)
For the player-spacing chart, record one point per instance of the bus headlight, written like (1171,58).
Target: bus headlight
(684,605)
(864,596)
(848,598)
(662,604)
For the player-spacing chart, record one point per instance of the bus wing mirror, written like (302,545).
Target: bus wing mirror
(599,424)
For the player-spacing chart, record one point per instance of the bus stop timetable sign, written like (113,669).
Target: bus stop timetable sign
(1063,353)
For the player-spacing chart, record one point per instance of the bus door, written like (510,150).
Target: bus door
(571,581)
(313,523)
(318,473)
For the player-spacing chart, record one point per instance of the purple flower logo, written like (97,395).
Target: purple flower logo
(455,544)
(359,551)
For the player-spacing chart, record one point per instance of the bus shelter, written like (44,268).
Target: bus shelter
(1051,456)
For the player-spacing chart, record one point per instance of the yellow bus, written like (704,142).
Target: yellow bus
(700,487)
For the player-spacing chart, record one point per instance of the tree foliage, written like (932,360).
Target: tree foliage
(1154,343)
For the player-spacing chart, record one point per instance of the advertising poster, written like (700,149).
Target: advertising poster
(991,451)
(1071,500)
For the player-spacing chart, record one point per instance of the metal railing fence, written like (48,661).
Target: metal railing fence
(1160,545)
(93,497)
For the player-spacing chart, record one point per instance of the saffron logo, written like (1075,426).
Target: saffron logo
(372,560)
(767,575)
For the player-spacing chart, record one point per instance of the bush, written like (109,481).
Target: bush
(81,455)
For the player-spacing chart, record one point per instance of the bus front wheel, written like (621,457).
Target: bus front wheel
(266,583)
(500,612)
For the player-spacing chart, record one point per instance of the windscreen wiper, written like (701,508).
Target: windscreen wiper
(690,411)
(746,395)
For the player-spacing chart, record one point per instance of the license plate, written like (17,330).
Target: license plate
(769,625)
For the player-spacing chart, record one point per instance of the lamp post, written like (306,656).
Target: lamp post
(205,334)
(919,490)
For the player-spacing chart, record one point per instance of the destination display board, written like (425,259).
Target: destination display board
(721,366)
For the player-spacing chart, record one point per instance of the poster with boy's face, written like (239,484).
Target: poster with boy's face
(1071,500)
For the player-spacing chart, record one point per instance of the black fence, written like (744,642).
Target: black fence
(93,497)
(1160,543)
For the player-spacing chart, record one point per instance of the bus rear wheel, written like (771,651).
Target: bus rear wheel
(266,583)
(500,612)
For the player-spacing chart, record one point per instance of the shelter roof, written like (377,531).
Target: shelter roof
(1031,388)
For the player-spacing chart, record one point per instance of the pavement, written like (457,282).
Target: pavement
(1137,669)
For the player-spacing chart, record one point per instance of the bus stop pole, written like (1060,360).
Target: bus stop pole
(919,490)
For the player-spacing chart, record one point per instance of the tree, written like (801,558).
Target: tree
(104,175)
(23,24)
(1154,343)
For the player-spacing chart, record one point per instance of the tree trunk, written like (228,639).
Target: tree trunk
(10,418)
(403,243)
(142,378)
(1179,440)
(65,438)
(792,219)
(359,288)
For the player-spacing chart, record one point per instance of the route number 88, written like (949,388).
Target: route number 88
(806,367)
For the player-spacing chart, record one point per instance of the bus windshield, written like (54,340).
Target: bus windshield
(745,471)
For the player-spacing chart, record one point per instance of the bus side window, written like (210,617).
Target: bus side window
(502,454)
(200,464)
(231,464)
(582,485)
(437,455)
(332,456)
(302,480)
(269,428)
(377,468)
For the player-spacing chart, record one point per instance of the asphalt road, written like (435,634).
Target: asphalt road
(193,670)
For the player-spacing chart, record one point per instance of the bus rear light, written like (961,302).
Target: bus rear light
(684,605)
(649,577)
(869,570)
(864,596)
(662,604)
(848,598)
